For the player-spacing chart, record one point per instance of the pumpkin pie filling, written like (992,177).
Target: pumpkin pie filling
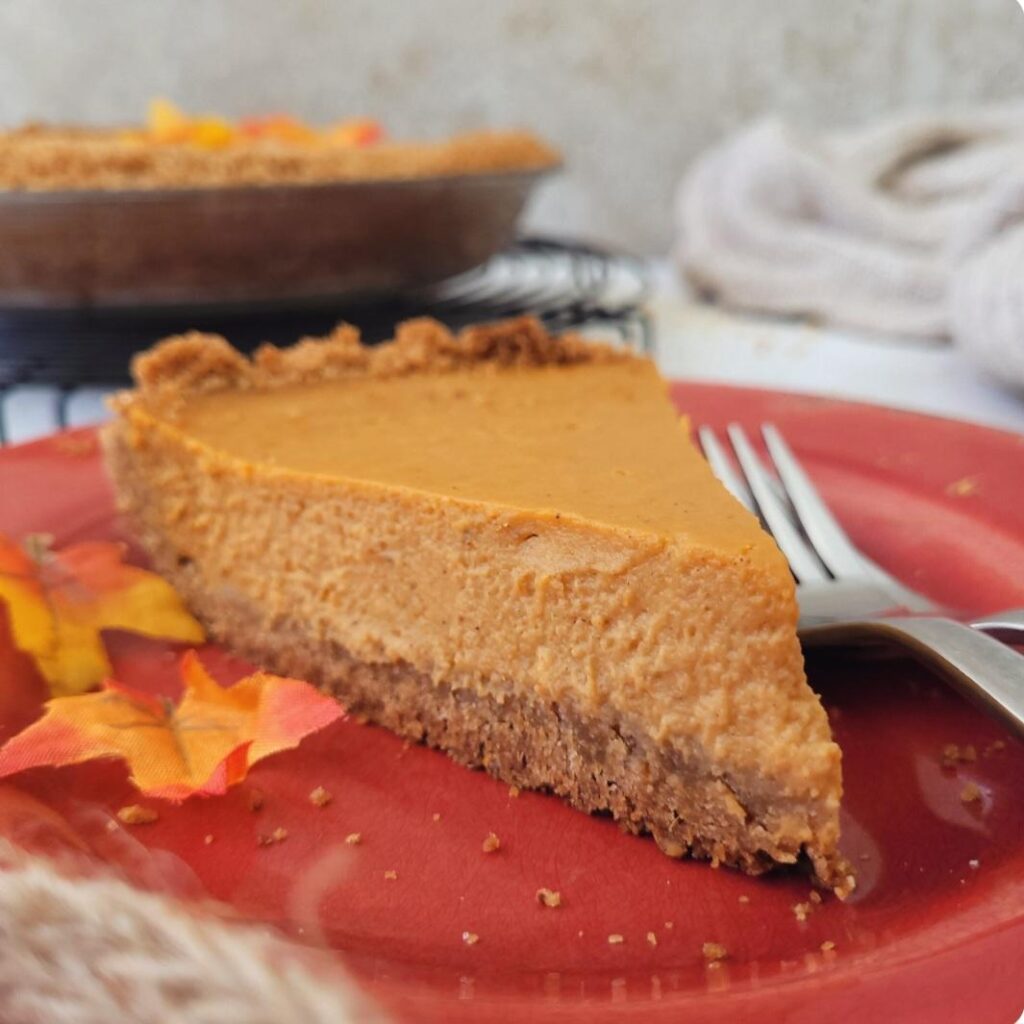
(502,544)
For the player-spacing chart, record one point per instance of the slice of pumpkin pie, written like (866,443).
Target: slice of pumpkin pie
(503,544)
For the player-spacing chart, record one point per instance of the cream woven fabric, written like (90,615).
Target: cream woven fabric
(913,226)
(96,951)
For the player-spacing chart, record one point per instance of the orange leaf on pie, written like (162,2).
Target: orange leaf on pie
(204,744)
(358,131)
(59,601)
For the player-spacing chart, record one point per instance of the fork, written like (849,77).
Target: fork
(846,598)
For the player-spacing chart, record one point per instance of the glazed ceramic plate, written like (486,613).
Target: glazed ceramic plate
(934,932)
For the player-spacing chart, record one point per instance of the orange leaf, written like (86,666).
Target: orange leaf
(205,744)
(359,131)
(59,601)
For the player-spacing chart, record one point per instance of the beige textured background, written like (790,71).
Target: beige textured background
(630,89)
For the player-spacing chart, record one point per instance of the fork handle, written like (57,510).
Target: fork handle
(980,667)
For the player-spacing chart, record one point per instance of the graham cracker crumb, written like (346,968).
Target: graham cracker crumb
(744,899)
(492,843)
(134,814)
(549,898)
(74,446)
(815,897)
(713,952)
(670,848)
(615,939)
(974,863)
(970,794)
(279,835)
(513,791)
(320,797)
(994,747)
(354,838)
(669,925)
(952,755)
(391,876)
(437,817)
(255,800)
(208,839)
(802,911)
(652,938)
(963,487)
(470,938)
(827,946)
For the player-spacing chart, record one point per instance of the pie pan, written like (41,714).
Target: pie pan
(248,244)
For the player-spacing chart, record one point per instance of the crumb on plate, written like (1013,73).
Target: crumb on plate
(319,797)
(963,487)
(953,754)
(971,793)
(549,898)
(135,814)
(279,835)
(802,911)
(713,952)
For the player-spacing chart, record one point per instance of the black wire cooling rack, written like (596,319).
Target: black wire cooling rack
(50,359)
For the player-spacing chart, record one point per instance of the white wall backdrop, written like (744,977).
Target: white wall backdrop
(630,89)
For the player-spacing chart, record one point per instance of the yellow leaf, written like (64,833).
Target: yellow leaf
(58,602)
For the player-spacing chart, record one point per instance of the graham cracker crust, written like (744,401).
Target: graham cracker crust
(42,157)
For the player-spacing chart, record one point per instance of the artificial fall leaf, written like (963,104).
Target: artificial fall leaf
(205,744)
(59,601)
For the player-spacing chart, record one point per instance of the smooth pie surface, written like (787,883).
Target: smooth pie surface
(599,442)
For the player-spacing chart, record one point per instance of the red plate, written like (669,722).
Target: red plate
(935,931)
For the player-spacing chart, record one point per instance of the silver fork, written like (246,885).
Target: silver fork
(846,598)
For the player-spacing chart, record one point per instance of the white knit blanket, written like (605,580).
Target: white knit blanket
(97,951)
(913,226)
